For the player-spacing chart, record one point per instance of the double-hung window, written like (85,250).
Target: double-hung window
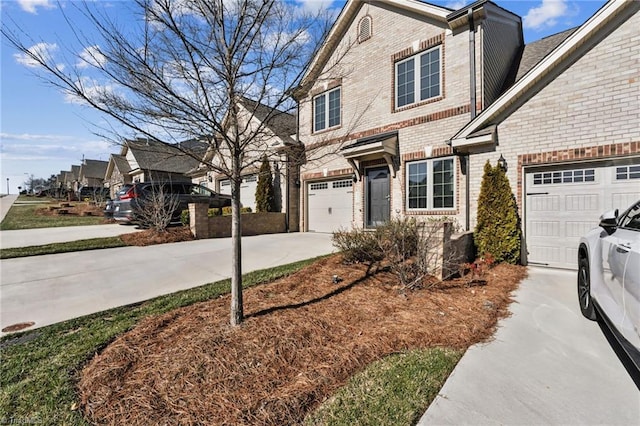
(326,110)
(431,184)
(418,78)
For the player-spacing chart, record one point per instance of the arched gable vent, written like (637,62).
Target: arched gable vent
(364,28)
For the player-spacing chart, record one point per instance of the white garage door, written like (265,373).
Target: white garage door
(247,190)
(564,204)
(330,205)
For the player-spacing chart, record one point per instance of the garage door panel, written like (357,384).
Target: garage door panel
(625,199)
(578,228)
(545,203)
(582,202)
(545,229)
(562,205)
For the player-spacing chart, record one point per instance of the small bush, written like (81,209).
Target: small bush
(358,246)
(410,249)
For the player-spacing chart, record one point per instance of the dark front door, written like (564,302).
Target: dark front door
(378,198)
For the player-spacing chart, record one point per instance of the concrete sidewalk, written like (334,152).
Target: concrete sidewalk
(546,365)
(5,205)
(58,287)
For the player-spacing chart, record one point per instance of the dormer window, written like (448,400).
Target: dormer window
(418,78)
(364,29)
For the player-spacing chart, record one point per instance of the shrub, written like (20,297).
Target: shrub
(498,231)
(410,249)
(265,194)
(358,246)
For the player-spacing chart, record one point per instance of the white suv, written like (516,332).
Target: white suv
(609,276)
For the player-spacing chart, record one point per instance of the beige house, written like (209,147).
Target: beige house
(117,174)
(383,96)
(406,101)
(273,133)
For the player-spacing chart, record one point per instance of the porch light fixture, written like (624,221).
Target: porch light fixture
(502,163)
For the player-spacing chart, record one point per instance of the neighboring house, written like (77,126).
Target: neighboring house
(117,173)
(151,160)
(276,131)
(569,129)
(92,173)
(406,101)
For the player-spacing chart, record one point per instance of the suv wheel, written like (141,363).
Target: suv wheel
(584,290)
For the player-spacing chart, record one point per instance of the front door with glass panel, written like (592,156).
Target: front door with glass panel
(378,197)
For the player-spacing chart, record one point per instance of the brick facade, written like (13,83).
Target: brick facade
(589,112)
(366,74)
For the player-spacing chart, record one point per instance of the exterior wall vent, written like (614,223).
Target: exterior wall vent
(364,29)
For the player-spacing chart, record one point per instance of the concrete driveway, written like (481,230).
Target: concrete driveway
(58,287)
(547,365)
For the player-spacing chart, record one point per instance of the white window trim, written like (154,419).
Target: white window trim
(326,110)
(417,77)
(430,182)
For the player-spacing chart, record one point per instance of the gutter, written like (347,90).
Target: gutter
(472,108)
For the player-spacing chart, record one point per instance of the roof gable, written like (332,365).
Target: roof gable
(159,156)
(280,123)
(93,169)
(344,22)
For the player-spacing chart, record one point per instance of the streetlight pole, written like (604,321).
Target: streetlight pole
(7,186)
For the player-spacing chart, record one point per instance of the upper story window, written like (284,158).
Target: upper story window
(431,184)
(418,77)
(364,29)
(326,110)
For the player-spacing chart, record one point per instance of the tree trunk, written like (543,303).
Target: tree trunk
(237,313)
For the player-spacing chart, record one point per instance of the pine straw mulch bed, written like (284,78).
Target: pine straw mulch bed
(76,208)
(303,337)
(150,237)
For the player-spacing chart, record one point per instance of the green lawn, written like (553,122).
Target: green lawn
(23,216)
(66,247)
(393,391)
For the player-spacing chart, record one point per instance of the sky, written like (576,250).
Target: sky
(42,131)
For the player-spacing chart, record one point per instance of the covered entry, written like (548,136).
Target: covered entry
(564,203)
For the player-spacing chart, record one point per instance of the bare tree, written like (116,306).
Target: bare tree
(183,71)
(156,210)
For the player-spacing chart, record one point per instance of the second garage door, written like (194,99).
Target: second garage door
(247,190)
(564,204)
(330,205)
